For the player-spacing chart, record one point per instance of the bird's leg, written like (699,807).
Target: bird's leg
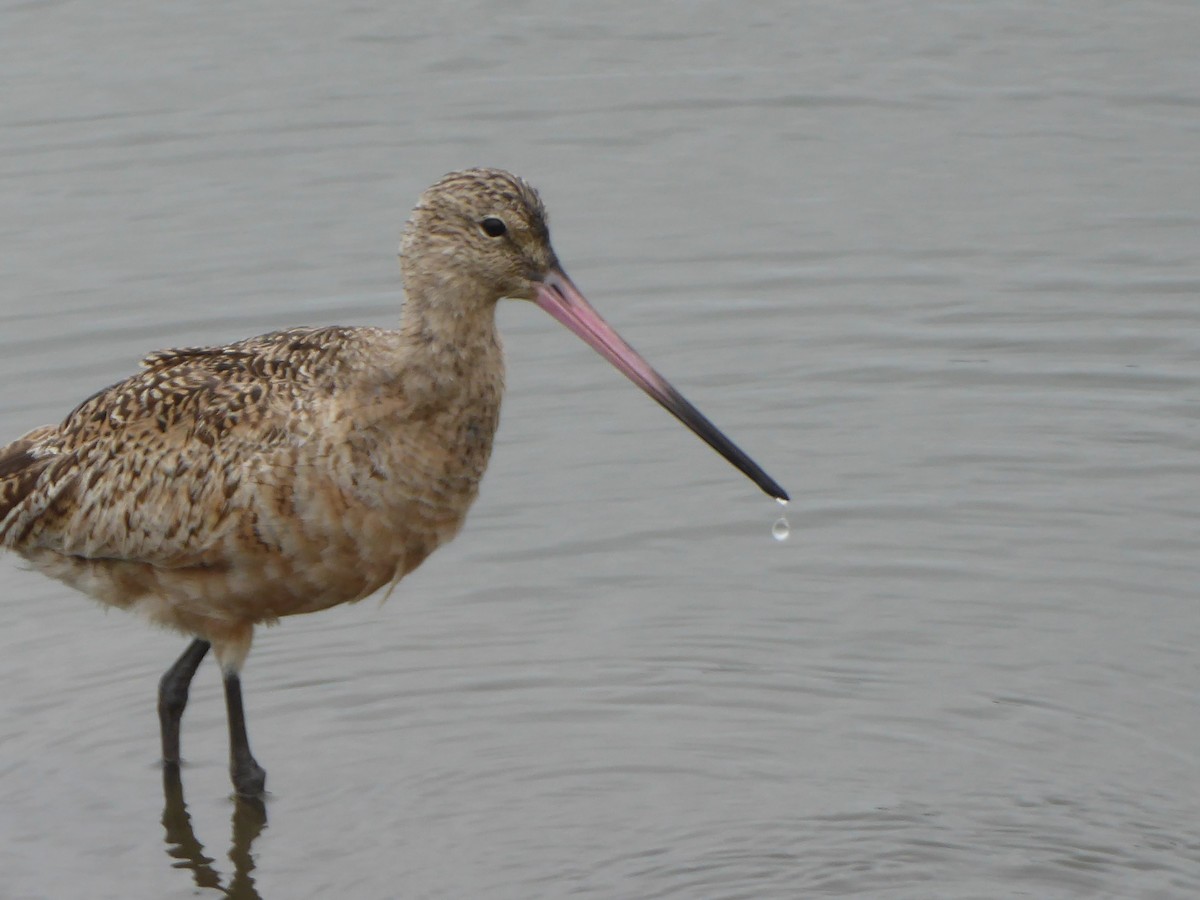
(249,778)
(173,697)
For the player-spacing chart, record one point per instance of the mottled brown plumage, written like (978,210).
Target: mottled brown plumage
(224,487)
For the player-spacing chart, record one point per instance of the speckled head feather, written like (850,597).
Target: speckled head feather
(448,226)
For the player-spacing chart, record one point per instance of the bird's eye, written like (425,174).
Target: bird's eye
(493,227)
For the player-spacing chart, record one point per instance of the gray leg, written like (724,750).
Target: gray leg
(173,697)
(249,778)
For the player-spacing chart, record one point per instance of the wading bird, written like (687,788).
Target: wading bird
(221,488)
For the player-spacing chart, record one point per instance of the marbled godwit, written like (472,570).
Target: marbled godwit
(221,488)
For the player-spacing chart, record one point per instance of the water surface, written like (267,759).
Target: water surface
(933,265)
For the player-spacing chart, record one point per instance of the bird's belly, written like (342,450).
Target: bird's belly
(279,556)
(336,545)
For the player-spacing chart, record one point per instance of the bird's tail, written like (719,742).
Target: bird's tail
(21,465)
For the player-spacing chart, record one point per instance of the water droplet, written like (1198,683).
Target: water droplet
(781,529)
(781,501)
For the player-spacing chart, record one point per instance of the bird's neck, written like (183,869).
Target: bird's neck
(450,340)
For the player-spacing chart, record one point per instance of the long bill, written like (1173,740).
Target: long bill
(559,297)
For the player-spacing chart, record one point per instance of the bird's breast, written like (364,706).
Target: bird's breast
(365,499)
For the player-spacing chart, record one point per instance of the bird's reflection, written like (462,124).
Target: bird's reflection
(249,819)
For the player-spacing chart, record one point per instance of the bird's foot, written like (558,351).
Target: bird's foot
(249,778)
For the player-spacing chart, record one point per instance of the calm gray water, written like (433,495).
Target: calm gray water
(933,264)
